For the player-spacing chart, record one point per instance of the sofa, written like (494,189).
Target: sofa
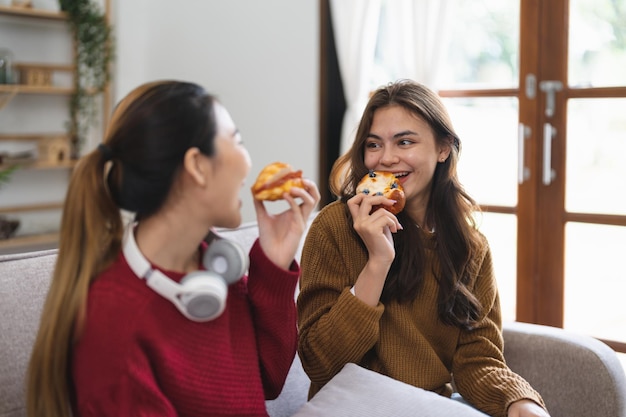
(577,375)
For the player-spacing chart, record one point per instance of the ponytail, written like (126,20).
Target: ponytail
(91,235)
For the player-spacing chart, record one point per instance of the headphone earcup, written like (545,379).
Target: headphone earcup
(203,294)
(227,259)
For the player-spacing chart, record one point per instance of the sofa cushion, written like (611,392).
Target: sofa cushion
(24,281)
(359,392)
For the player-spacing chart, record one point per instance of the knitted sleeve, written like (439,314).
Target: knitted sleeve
(271,292)
(479,369)
(335,327)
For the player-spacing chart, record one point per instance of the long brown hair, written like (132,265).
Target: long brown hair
(450,210)
(150,130)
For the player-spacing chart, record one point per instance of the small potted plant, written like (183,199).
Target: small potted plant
(94,54)
(5,174)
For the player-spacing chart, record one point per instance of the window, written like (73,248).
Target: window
(537,93)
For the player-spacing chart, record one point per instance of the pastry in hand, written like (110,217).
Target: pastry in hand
(275,180)
(386,184)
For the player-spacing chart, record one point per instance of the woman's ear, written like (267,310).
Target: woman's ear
(444,152)
(196,166)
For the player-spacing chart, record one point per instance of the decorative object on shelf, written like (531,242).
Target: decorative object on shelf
(8,227)
(51,5)
(37,151)
(94,55)
(6,66)
(21,3)
(54,150)
(15,158)
(38,75)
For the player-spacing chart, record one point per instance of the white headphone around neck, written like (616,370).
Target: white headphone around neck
(200,295)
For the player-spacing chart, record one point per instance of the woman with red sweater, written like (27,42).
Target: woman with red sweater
(137,322)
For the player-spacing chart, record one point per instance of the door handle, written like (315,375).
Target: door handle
(523,133)
(550,87)
(549,174)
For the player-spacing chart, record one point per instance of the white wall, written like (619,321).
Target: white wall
(261,59)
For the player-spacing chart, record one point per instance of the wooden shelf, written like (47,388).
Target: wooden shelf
(34,89)
(36,242)
(43,162)
(45,65)
(30,242)
(30,12)
(31,207)
(29,136)
(35,164)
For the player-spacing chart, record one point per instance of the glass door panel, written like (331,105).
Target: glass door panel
(596,145)
(484,44)
(501,232)
(595,133)
(595,280)
(597,43)
(488,163)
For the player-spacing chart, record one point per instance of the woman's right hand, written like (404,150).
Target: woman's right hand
(375,228)
(280,234)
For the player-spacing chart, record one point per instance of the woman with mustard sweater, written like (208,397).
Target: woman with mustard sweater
(413,295)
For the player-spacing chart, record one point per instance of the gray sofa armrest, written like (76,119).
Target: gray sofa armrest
(577,375)
(24,281)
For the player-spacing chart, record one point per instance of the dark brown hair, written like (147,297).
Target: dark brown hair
(150,131)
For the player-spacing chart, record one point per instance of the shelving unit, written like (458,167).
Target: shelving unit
(29,12)
(50,155)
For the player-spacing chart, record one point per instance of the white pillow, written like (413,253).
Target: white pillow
(359,392)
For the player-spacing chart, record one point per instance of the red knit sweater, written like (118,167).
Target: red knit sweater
(139,356)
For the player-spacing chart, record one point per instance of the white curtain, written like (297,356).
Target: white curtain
(420,37)
(412,39)
(355,26)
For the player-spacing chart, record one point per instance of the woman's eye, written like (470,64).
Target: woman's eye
(405,142)
(372,145)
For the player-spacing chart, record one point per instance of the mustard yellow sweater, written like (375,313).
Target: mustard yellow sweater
(404,341)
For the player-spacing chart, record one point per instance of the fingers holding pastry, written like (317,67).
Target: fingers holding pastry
(374,227)
(309,194)
(365,213)
(377,189)
(383,183)
(280,233)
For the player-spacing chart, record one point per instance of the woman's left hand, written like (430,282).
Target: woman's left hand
(526,408)
(280,234)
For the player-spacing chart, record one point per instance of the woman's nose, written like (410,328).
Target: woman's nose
(388,158)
